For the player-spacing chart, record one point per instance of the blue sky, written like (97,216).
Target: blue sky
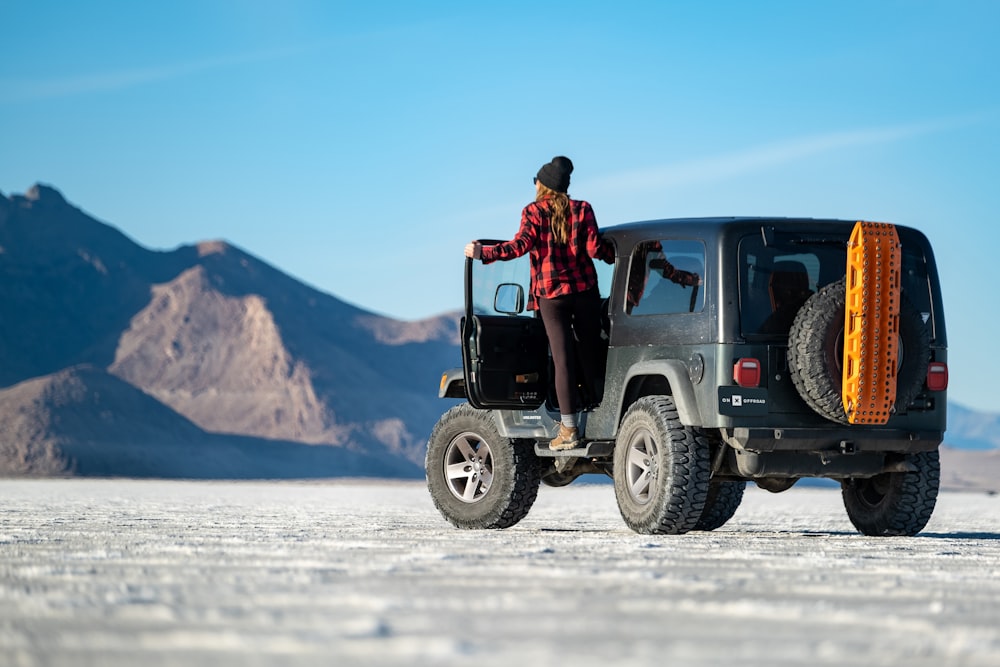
(358,146)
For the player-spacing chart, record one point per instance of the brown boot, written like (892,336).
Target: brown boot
(567,439)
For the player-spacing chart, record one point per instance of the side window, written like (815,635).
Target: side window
(666,277)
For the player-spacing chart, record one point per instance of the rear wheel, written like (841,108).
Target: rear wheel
(476,478)
(895,503)
(723,500)
(661,469)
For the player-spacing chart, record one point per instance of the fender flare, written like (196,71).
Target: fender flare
(677,376)
(452,384)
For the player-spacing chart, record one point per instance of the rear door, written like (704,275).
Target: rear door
(504,348)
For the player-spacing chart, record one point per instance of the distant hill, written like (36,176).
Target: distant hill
(968,429)
(83,421)
(206,361)
(216,335)
(970,470)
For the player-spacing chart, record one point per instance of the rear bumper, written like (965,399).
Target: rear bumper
(835,440)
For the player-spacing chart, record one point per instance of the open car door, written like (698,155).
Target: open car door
(505,353)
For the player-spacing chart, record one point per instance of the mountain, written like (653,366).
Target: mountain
(970,457)
(215,335)
(84,421)
(969,429)
(206,361)
(970,470)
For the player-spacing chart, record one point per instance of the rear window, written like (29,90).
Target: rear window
(777,278)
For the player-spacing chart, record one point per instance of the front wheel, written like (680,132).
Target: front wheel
(895,503)
(661,469)
(476,478)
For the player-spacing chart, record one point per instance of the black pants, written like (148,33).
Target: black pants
(562,316)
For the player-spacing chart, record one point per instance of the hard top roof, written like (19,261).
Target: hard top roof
(724,221)
(726,226)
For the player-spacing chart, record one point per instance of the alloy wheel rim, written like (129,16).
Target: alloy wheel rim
(642,468)
(468,467)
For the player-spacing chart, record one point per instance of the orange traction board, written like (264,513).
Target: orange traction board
(871,323)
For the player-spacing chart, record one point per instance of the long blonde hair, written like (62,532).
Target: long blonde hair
(558,211)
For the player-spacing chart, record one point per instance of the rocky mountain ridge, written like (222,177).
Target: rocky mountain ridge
(212,333)
(205,361)
(84,421)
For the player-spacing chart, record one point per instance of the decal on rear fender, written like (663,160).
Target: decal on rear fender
(742,401)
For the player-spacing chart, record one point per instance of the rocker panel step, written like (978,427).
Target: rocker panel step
(595,449)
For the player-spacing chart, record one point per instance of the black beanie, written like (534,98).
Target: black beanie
(555,174)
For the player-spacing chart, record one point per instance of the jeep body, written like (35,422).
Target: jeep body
(724,372)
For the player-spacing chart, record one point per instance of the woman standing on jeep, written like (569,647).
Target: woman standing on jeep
(562,238)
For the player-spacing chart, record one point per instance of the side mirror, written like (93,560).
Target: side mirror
(509,299)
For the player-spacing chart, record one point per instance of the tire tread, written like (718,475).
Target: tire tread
(681,501)
(516,473)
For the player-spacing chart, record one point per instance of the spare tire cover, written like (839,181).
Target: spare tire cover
(816,345)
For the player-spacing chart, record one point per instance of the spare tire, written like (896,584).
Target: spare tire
(816,349)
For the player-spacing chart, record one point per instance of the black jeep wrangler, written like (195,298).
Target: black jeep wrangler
(804,348)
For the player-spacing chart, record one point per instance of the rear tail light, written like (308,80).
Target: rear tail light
(746,372)
(937,376)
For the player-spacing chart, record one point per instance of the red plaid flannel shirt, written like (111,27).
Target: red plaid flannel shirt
(556,268)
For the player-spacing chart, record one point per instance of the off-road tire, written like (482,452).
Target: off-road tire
(476,478)
(661,469)
(816,344)
(895,503)
(724,498)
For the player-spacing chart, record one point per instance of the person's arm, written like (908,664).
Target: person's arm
(675,275)
(598,247)
(605,251)
(517,246)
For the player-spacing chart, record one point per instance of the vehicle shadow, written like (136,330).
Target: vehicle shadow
(937,536)
(961,536)
(789,533)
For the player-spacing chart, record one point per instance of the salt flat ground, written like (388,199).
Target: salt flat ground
(124,572)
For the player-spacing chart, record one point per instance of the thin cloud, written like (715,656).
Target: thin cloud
(714,169)
(29,91)
(722,167)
